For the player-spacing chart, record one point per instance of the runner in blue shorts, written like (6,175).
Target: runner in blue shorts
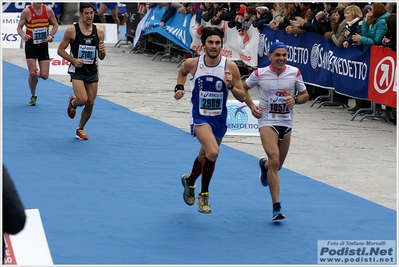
(214,76)
(114,13)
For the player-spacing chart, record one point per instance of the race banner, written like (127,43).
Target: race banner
(321,62)
(235,46)
(240,120)
(383,76)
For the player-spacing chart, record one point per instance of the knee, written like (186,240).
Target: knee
(274,162)
(44,77)
(212,154)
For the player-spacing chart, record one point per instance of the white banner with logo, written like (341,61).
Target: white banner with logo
(240,120)
(58,65)
(29,247)
(9,34)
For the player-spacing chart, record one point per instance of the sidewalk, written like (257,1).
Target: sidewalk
(358,157)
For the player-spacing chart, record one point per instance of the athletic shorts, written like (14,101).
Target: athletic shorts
(110,5)
(39,51)
(282,131)
(84,78)
(219,133)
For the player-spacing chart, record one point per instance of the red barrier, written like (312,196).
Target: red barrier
(383,76)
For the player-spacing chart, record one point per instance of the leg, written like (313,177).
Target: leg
(44,69)
(101,12)
(32,79)
(91,93)
(115,17)
(276,152)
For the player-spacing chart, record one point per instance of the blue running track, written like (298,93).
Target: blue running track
(117,198)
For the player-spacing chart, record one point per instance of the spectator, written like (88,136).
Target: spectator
(14,216)
(278,16)
(170,12)
(290,13)
(390,7)
(306,14)
(206,14)
(248,19)
(338,24)
(389,39)
(218,9)
(238,15)
(309,24)
(374,27)
(353,16)
(323,24)
(263,16)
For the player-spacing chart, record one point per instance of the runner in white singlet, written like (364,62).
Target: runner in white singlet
(280,88)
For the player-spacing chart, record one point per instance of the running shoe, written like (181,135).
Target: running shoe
(188,193)
(32,101)
(71,110)
(277,212)
(81,134)
(203,203)
(263,171)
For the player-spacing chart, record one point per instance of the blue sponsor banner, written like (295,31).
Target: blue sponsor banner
(176,29)
(19,6)
(321,62)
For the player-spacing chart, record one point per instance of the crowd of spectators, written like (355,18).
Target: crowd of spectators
(343,23)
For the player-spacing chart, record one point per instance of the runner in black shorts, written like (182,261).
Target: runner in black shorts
(86,41)
(37,19)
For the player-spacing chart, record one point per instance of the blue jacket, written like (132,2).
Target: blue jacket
(373,34)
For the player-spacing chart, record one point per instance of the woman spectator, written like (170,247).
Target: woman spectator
(338,26)
(290,13)
(389,39)
(248,19)
(374,27)
(278,16)
(353,16)
(218,9)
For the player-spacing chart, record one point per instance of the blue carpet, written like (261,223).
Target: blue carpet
(117,198)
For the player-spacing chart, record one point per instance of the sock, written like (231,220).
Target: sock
(73,104)
(195,172)
(207,172)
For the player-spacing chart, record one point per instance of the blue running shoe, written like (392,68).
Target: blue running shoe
(188,193)
(263,171)
(277,212)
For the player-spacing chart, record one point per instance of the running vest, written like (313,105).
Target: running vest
(85,47)
(273,90)
(38,26)
(209,93)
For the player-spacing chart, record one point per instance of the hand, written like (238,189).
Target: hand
(290,101)
(179,94)
(102,48)
(228,78)
(385,40)
(50,38)
(162,24)
(256,112)
(78,62)
(26,37)
(288,29)
(345,44)
(346,33)
(356,38)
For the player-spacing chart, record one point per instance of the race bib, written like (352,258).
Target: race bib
(211,103)
(39,35)
(87,53)
(278,110)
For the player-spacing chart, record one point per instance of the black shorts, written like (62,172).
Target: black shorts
(282,131)
(84,78)
(39,51)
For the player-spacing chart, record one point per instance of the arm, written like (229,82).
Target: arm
(233,81)
(22,21)
(256,112)
(102,50)
(54,22)
(188,67)
(69,36)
